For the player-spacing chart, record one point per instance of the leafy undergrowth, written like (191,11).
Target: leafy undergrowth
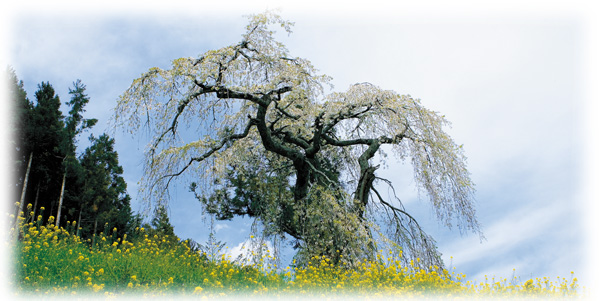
(52,261)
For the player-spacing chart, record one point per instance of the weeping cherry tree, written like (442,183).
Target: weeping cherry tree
(256,133)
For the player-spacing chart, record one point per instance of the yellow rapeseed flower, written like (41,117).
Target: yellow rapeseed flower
(97,287)
(197,290)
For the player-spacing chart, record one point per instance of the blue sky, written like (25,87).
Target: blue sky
(513,80)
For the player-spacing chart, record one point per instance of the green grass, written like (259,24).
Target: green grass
(55,262)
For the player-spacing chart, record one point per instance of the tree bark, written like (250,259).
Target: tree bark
(60,200)
(367,176)
(365,183)
(37,194)
(94,234)
(302,179)
(79,220)
(22,201)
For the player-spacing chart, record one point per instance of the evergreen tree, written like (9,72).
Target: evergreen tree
(161,222)
(20,116)
(92,188)
(45,140)
(73,173)
(161,226)
(20,153)
(104,202)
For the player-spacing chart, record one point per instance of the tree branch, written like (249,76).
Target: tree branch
(321,173)
(395,209)
(210,152)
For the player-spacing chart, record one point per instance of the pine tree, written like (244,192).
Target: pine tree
(74,125)
(20,116)
(89,188)
(161,226)
(45,140)
(20,150)
(104,201)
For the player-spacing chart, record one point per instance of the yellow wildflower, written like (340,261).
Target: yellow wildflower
(97,287)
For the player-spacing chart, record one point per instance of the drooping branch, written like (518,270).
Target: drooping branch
(180,108)
(209,153)
(412,238)
(392,207)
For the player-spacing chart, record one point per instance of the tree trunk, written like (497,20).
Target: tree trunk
(367,176)
(94,233)
(79,220)
(22,201)
(60,200)
(37,194)
(365,183)
(302,179)
(51,207)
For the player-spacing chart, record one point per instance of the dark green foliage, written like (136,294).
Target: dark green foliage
(265,190)
(104,199)
(160,222)
(45,140)
(161,226)
(75,124)
(95,194)
(19,127)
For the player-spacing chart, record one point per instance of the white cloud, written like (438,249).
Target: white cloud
(534,240)
(221,226)
(250,250)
